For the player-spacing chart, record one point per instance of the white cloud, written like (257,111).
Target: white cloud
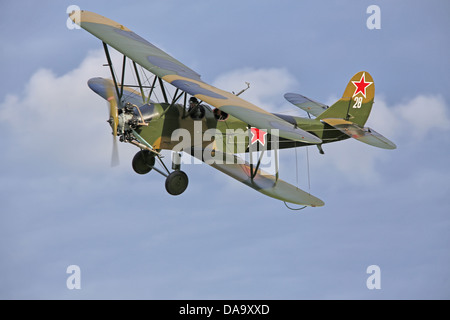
(402,123)
(60,118)
(424,113)
(412,118)
(352,160)
(267,86)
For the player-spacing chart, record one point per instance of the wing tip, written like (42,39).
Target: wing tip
(81,16)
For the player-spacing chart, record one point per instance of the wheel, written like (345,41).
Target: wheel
(143,162)
(176,182)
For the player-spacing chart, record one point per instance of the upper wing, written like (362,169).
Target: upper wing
(169,69)
(310,106)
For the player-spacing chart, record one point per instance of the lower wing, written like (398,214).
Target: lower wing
(259,180)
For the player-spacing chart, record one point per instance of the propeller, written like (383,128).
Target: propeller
(114,122)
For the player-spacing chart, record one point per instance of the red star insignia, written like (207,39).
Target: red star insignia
(258,135)
(361,85)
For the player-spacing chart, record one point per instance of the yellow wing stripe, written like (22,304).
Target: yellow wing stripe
(228,98)
(95,18)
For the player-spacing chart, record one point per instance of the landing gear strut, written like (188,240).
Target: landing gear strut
(319,146)
(176,181)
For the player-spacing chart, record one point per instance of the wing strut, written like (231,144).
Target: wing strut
(254,171)
(251,149)
(139,82)
(119,87)
(123,75)
(113,75)
(163,90)
(152,88)
(174,100)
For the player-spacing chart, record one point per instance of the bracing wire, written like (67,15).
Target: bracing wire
(296,167)
(296,177)
(147,83)
(294,209)
(307,167)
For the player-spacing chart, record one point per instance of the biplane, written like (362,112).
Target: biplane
(215,126)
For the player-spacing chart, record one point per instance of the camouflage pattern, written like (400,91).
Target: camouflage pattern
(242,125)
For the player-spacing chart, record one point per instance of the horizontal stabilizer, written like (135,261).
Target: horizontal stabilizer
(366,135)
(262,182)
(313,107)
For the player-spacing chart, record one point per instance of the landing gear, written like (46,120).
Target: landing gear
(176,182)
(143,162)
(319,146)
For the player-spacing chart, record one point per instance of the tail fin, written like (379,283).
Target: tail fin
(356,102)
(350,113)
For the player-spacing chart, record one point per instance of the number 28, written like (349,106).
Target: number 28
(358,102)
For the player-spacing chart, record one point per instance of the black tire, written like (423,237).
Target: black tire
(143,162)
(176,182)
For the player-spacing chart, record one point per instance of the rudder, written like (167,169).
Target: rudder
(356,102)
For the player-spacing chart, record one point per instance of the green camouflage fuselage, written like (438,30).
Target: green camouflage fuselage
(167,127)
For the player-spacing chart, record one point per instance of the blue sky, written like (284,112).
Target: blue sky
(62,203)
